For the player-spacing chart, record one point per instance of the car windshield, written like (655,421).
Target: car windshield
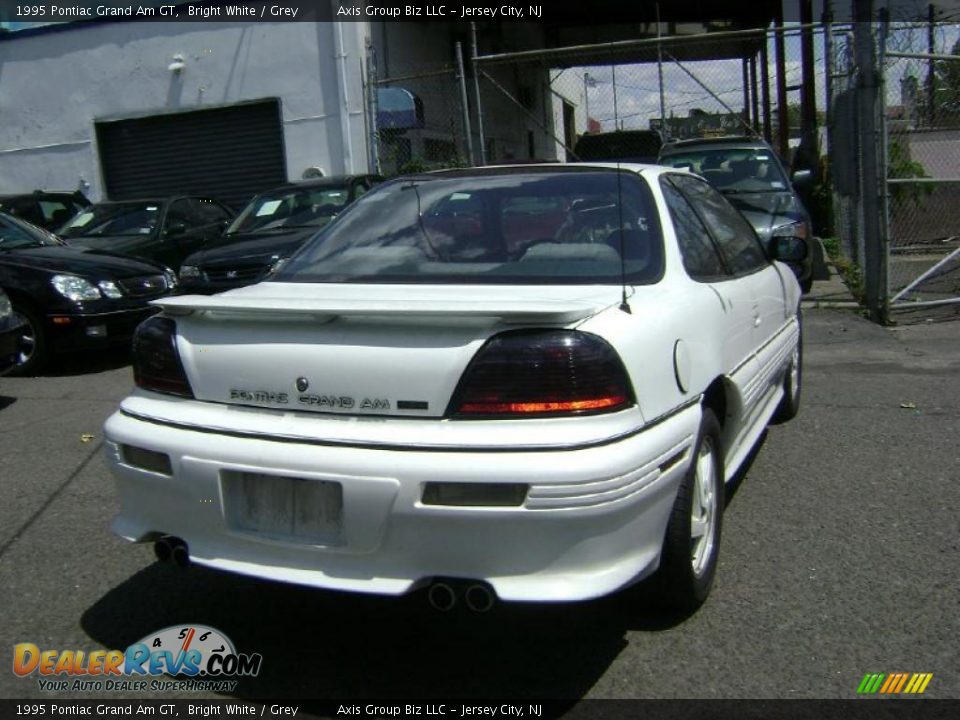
(292,207)
(520,227)
(732,170)
(18,235)
(121,218)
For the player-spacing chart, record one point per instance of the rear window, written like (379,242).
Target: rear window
(731,169)
(558,227)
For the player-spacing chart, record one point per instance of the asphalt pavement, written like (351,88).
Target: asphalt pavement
(840,556)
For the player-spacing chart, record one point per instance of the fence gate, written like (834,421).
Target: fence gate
(921,155)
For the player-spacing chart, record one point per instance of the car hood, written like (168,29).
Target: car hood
(76,261)
(251,245)
(363,349)
(767,211)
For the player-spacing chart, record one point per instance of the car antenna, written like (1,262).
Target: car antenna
(623,265)
(412,185)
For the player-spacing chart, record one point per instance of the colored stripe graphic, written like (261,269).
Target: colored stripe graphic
(918,683)
(895,683)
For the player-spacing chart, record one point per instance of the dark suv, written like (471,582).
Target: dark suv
(48,209)
(639,146)
(750,174)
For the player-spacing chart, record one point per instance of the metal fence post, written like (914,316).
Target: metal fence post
(462,80)
(482,150)
(868,92)
(374,135)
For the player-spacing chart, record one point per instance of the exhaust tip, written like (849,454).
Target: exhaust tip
(162,549)
(479,598)
(180,554)
(441,597)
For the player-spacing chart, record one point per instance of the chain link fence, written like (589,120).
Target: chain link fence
(535,105)
(921,119)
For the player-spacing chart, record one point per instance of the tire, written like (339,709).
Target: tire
(806,285)
(792,383)
(691,546)
(32,354)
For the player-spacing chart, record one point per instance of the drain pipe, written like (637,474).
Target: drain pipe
(341,59)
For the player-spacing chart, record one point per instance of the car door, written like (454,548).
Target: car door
(704,262)
(744,256)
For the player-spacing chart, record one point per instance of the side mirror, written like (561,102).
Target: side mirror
(176,228)
(787,249)
(801,178)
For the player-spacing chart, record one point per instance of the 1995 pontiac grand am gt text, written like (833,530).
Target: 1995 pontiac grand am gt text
(525,383)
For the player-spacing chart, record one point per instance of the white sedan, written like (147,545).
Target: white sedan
(519,383)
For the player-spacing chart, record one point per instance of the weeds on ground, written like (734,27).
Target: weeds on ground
(851,273)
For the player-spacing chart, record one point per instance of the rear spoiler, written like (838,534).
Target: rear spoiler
(509,311)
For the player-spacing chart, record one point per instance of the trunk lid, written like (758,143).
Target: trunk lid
(356,349)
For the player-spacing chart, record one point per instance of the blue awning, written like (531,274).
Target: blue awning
(398,109)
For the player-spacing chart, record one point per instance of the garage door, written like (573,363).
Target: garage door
(230,153)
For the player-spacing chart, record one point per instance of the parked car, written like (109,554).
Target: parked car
(268,230)
(161,230)
(750,174)
(11,331)
(48,209)
(637,146)
(408,402)
(70,299)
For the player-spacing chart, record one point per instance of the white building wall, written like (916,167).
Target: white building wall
(54,85)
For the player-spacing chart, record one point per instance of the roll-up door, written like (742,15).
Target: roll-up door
(228,152)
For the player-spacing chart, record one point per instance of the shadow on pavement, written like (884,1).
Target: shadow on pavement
(86,363)
(322,645)
(6,402)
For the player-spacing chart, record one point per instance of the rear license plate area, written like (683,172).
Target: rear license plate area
(283,508)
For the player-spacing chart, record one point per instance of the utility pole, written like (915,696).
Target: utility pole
(613,75)
(587,83)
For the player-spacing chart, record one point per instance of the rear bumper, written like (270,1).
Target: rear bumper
(592,522)
(86,331)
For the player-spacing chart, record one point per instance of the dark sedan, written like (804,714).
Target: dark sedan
(72,299)
(270,229)
(161,230)
(749,173)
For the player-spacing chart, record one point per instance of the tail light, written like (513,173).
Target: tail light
(156,361)
(542,373)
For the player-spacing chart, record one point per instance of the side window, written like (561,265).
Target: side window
(56,212)
(736,237)
(208,212)
(28,210)
(179,212)
(700,257)
(361,188)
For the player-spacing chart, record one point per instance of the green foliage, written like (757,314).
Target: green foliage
(901,165)
(851,273)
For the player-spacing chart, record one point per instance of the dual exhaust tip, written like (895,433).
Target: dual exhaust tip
(172,549)
(478,597)
(443,597)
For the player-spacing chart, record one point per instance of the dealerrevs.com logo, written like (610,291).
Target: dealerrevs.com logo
(198,657)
